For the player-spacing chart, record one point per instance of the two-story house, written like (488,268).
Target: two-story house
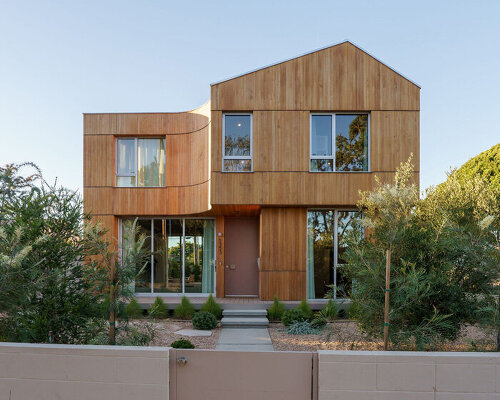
(251,194)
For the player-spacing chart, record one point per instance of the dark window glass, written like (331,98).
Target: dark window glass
(351,142)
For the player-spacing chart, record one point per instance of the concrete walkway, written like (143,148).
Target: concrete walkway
(245,339)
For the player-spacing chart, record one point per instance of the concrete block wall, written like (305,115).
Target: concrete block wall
(365,375)
(49,372)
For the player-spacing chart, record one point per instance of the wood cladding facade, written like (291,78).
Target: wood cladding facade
(341,78)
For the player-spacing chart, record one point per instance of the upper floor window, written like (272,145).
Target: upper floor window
(237,142)
(339,142)
(140,162)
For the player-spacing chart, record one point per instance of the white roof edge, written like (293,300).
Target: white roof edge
(314,51)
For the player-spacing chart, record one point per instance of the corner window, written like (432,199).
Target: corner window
(339,142)
(140,162)
(237,142)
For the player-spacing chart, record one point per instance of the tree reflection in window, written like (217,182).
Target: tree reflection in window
(351,137)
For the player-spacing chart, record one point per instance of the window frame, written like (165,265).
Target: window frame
(334,144)
(336,212)
(224,157)
(152,293)
(135,139)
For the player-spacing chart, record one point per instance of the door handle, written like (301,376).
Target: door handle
(231,266)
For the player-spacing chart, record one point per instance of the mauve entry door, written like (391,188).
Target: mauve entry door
(241,250)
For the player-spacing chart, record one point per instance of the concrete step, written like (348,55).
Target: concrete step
(244,322)
(245,313)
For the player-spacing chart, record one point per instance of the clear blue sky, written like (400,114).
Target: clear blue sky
(62,58)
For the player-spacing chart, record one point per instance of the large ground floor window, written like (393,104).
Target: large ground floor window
(326,231)
(182,255)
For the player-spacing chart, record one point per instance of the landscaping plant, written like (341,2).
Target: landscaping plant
(185,310)
(182,344)
(302,328)
(444,261)
(133,309)
(204,320)
(212,307)
(293,315)
(158,309)
(275,312)
(328,314)
(306,309)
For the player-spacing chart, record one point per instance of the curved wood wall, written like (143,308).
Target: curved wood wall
(187,180)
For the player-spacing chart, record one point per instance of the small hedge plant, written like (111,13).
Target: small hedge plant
(328,314)
(306,309)
(302,328)
(275,312)
(158,309)
(182,344)
(133,309)
(185,310)
(204,320)
(212,307)
(293,315)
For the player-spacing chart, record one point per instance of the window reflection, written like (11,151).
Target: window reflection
(351,141)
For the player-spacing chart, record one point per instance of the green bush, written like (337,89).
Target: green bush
(182,344)
(158,309)
(306,309)
(293,315)
(275,312)
(136,335)
(212,307)
(302,328)
(185,310)
(328,314)
(133,309)
(204,320)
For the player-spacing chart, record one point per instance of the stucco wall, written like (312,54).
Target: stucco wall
(49,372)
(363,375)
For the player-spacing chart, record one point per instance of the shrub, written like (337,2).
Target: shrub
(158,309)
(136,336)
(302,328)
(204,320)
(275,312)
(185,310)
(212,307)
(133,309)
(294,315)
(182,344)
(328,314)
(306,309)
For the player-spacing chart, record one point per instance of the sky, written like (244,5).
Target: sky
(59,59)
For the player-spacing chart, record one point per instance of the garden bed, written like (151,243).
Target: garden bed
(344,335)
(164,333)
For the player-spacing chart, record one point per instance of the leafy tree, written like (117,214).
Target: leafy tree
(350,149)
(444,262)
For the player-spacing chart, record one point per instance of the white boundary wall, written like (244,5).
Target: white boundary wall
(66,372)
(366,375)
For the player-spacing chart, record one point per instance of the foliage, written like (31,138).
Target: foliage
(204,320)
(133,335)
(133,309)
(47,292)
(212,307)
(306,309)
(351,148)
(302,328)
(486,165)
(158,309)
(293,315)
(443,263)
(185,310)
(182,344)
(275,312)
(328,314)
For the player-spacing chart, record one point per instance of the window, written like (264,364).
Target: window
(140,162)
(339,142)
(182,255)
(237,142)
(326,230)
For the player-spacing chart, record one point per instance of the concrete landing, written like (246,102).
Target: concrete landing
(245,339)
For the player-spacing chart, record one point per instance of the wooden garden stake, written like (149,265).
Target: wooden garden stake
(387,291)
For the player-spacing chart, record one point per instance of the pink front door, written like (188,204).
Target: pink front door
(241,273)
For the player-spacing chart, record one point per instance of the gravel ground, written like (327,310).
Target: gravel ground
(164,333)
(344,335)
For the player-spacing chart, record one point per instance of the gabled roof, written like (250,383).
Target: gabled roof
(314,51)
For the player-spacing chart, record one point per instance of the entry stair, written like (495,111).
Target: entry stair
(244,319)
